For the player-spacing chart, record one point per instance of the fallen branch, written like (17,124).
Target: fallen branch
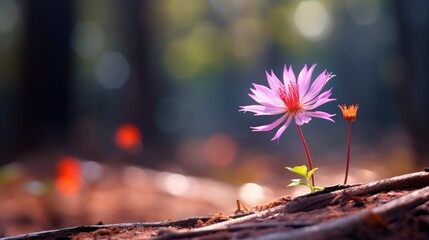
(376,217)
(66,232)
(222,226)
(309,202)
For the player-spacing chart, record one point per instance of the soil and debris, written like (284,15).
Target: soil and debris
(395,208)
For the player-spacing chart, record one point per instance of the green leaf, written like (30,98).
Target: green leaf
(311,172)
(297,182)
(319,188)
(300,170)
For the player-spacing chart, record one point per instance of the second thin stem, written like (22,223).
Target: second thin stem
(310,163)
(349,136)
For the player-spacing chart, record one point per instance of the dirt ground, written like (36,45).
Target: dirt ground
(410,225)
(117,194)
(394,208)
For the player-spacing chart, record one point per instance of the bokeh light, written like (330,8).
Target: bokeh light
(68,181)
(197,52)
(36,188)
(135,177)
(9,15)
(220,150)
(91,171)
(228,10)
(312,19)
(128,137)
(182,13)
(112,70)
(10,172)
(173,183)
(247,38)
(87,39)
(254,194)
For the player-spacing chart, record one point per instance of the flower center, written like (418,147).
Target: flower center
(291,98)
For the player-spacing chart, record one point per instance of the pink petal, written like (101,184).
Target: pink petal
(264,100)
(302,75)
(323,96)
(270,126)
(291,76)
(302,118)
(305,81)
(256,97)
(323,115)
(273,81)
(251,108)
(262,110)
(288,76)
(271,111)
(265,95)
(317,86)
(285,76)
(268,92)
(282,129)
(320,102)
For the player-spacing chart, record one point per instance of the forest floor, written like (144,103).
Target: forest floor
(392,208)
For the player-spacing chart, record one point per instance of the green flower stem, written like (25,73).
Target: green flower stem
(312,188)
(310,163)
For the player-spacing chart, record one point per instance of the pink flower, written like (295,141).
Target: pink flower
(293,99)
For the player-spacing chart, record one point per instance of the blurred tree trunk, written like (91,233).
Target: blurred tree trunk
(44,100)
(411,90)
(144,88)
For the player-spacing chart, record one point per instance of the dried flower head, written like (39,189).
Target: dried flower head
(294,98)
(349,112)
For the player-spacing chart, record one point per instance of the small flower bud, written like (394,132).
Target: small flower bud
(349,112)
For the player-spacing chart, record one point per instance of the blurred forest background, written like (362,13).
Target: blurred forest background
(158,84)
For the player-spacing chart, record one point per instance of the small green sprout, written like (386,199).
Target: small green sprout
(302,171)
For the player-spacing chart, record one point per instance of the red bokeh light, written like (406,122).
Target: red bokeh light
(128,137)
(68,181)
